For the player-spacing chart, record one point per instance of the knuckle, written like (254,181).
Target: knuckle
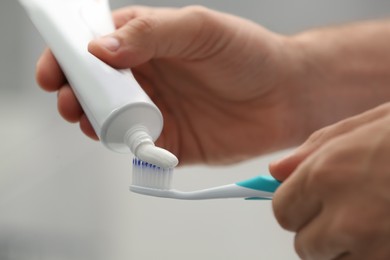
(346,125)
(139,33)
(355,226)
(299,246)
(197,11)
(385,108)
(282,219)
(207,32)
(280,214)
(205,18)
(321,170)
(326,172)
(327,133)
(332,163)
(144,24)
(351,229)
(318,135)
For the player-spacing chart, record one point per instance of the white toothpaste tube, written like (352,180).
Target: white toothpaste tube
(122,115)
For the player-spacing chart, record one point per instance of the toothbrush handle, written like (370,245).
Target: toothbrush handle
(259,188)
(263,183)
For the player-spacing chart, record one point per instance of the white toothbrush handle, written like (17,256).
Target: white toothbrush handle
(226,191)
(221,192)
(261,187)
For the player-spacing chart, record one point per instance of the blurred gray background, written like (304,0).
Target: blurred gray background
(63,196)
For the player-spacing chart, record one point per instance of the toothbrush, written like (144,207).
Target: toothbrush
(152,180)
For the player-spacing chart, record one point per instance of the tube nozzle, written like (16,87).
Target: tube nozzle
(142,146)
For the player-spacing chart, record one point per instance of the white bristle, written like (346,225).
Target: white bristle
(151,176)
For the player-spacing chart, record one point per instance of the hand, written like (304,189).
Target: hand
(221,82)
(336,194)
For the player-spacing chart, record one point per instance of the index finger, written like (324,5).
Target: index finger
(294,203)
(49,74)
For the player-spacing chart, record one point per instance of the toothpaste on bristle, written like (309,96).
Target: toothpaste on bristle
(142,146)
(152,154)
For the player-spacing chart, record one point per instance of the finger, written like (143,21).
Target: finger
(68,106)
(294,202)
(87,128)
(48,72)
(315,240)
(283,168)
(180,34)
(346,256)
(70,109)
(124,15)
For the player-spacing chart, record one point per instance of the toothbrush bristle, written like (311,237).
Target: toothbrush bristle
(151,176)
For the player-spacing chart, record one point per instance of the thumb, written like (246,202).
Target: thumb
(187,33)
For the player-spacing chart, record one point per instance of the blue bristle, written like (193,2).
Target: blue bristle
(151,176)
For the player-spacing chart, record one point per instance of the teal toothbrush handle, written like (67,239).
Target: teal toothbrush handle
(261,183)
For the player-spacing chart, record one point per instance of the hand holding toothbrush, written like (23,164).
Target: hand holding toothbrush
(337,198)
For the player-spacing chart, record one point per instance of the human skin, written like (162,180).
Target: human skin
(337,198)
(207,72)
(230,90)
(335,194)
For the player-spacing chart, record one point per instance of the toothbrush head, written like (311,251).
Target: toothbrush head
(150,176)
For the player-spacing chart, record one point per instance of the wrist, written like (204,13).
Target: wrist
(343,71)
(289,93)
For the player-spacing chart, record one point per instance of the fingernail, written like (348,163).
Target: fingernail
(110,43)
